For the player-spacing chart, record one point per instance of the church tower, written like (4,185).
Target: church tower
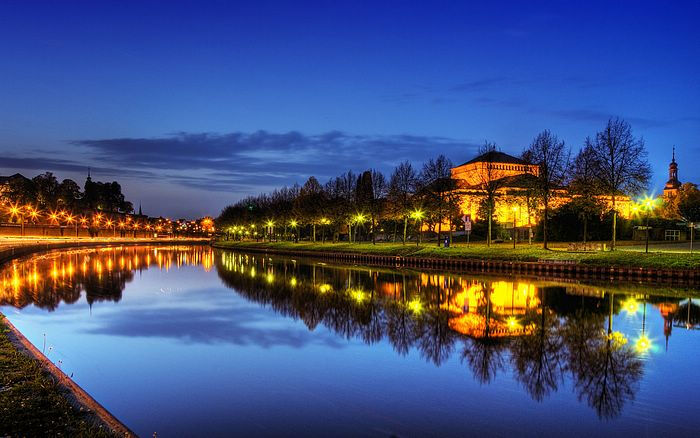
(672,186)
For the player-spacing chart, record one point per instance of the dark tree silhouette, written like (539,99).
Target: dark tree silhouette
(621,164)
(550,156)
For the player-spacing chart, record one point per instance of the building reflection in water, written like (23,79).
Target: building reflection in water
(47,280)
(544,333)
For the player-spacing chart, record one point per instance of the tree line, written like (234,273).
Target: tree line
(45,193)
(610,164)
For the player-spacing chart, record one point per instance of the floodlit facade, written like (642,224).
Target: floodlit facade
(514,202)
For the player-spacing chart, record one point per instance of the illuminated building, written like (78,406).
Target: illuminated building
(515,202)
(672,185)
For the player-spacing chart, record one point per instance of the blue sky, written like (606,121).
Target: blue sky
(192,105)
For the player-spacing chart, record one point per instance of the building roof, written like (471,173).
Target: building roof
(7,179)
(521,181)
(495,157)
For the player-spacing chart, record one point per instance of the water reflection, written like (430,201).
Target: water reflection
(47,280)
(543,333)
(593,340)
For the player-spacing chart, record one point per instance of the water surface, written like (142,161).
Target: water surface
(189,341)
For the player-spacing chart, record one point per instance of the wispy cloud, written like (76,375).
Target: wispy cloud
(240,162)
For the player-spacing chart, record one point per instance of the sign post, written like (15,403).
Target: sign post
(467,226)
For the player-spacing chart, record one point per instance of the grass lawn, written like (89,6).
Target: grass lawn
(523,252)
(32,403)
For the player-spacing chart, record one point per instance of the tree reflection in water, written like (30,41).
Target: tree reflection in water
(62,276)
(606,369)
(500,324)
(543,334)
(538,358)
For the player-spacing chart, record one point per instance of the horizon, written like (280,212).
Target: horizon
(191,109)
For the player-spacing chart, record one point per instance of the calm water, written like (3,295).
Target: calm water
(196,342)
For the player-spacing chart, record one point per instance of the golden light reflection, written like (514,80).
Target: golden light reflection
(47,279)
(415,306)
(618,338)
(630,305)
(643,344)
(358,295)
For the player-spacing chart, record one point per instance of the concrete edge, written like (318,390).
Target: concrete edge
(553,269)
(75,395)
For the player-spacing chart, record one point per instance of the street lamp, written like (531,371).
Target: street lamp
(648,204)
(114,228)
(271,226)
(515,211)
(293,223)
(324,221)
(16,211)
(359,219)
(418,215)
(69,221)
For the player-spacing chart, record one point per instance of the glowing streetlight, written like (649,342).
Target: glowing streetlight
(270,224)
(53,216)
(33,213)
(647,204)
(418,215)
(16,211)
(293,223)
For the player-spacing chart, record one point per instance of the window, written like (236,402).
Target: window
(672,235)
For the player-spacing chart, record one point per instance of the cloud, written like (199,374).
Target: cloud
(50,164)
(241,160)
(224,325)
(238,162)
(481,84)
(590,115)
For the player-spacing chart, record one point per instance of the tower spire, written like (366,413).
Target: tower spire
(673,158)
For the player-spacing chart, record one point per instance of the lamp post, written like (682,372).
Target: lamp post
(360,219)
(418,215)
(270,229)
(111,223)
(324,221)
(648,204)
(293,223)
(16,211)
(69,221)
(515,210)
(83,222)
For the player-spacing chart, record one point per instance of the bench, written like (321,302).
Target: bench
(579,246)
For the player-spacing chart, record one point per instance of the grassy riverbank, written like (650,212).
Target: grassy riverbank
(32,402)
(658,260)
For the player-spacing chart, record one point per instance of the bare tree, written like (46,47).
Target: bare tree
(402,185)
(689,207)
(490,181)
(622,167)
(310,203)
(341,192)
(549,154)
(379,191)
(584,186)
(438,185)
